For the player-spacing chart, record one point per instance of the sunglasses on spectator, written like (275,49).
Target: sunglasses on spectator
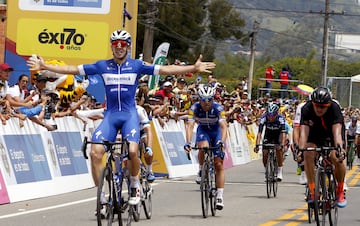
(206,99)
(119,43)
(317,105)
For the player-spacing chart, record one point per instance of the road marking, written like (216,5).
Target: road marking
(303,210)
(24,212)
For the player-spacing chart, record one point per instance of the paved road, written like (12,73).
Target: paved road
(177,202)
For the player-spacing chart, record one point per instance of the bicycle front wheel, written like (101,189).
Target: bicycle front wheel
(105,198)
(320,196)
(205,189)
(333,209)
(269,175)
(274,175)
(351,156)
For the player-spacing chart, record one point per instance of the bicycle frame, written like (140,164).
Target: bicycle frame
(325,186)
(271,170)
(112,177)
(208,180)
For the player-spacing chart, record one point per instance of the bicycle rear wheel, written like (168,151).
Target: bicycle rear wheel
(269,175)
(146,200)
(105,198)
(205,189)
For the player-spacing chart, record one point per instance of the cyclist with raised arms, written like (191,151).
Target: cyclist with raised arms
(211,132)
(120,76)
(321,119)
(275,133)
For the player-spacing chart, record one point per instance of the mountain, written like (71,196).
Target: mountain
(293,23)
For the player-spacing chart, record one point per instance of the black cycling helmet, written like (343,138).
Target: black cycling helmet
(321,95)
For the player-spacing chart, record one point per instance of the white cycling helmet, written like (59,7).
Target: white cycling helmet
(121,35)
(206,92)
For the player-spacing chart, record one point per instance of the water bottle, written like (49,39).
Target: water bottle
(116,178)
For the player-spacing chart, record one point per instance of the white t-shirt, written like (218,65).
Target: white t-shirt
(296,122)
(352,131)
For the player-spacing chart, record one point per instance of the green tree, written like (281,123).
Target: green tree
(191,27)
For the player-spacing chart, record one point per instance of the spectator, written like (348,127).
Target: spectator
(284,77)
(244,84)
(165,92)
(21,100)
(269,75)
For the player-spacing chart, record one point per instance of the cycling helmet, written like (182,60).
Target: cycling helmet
(121,35)
(272,109)
(206,92)
(321,95)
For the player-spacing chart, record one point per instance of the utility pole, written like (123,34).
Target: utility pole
(151,13)
(252,56)
(324,58)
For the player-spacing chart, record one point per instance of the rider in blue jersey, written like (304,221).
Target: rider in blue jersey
(275,133)
(120,76)
(211,131)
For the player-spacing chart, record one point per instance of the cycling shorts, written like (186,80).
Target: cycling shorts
(126,122)
(212,137)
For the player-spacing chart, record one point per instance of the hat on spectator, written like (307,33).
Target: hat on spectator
(181,80)
(167,84)
(5,67)
(169,78)
(41,78)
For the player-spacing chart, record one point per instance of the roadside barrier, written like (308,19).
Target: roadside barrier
(37,163)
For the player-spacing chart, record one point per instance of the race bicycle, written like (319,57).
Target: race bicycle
(110,200)
(350,155)
(208,180)
(146,189)
(325,188)
(271,170)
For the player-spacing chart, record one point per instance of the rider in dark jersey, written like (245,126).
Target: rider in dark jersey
(211,131)
(275,133)
(322,120)
(120,76)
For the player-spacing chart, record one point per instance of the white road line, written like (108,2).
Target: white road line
(24,212)
(47,208)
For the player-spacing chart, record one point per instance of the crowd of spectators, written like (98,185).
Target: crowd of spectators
(170,100)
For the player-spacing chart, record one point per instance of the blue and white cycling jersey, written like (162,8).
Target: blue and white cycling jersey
(208,124)
(207,120)
(120,81)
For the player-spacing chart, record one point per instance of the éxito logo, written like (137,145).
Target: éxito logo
(68,38)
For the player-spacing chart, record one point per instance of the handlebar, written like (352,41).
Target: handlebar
(109,145)
(205,149)
(323,149)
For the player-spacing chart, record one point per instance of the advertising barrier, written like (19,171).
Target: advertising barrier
(37,163)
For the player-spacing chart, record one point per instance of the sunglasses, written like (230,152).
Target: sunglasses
(206,99)
(271,114)
(119,43)
(321,105)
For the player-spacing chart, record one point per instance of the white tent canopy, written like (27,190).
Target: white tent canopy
(354,79)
